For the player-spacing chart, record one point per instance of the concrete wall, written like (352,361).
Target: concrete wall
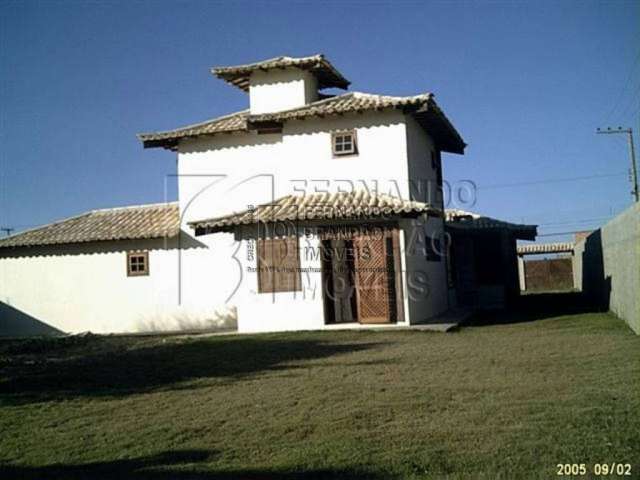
(85,287)
(607,266)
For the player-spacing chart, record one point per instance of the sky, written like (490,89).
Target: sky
(525,83)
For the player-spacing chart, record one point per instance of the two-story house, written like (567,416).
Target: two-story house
(305,211)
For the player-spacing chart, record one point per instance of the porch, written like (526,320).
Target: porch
(336,261)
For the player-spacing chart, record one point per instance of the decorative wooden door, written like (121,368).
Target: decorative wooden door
(373,278)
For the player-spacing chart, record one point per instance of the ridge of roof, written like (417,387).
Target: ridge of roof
(135,207)
(259,63)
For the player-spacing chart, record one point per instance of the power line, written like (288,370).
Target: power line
(575,222)
(629,108)
(624,88)
(559,233)
(632,156)
(552,180)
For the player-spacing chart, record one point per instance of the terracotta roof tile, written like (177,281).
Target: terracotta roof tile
(126,223)
(538,248)
(326,73)
(318,206)
(423,106)
(348,102)
(234,122)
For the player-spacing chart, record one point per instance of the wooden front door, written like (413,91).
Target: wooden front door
(375,278)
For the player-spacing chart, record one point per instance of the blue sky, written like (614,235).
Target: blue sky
(526,84)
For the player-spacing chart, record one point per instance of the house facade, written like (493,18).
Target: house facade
(295,141)
(307,210)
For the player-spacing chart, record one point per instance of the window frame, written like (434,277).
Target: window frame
(138,273)
(354,143)
(276,286)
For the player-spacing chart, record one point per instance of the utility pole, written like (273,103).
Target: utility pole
(634,169)
(7,230)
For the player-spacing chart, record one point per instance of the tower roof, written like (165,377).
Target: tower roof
(326,73)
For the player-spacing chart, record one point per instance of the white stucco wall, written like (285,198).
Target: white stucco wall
(223,174)
(301,310)
(423,177)
(426,281)
(281,89)
(80,288)
(423,187)
(85,287)
(226,173)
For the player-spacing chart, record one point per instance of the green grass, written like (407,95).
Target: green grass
(498,401)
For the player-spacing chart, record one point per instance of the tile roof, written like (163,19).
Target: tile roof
(345,103)
(423,107)
(326,73)
(233,122)
(125,223)
(357,205)
(538,248)
(462,219)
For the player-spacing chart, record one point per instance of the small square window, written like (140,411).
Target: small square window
(137,264)
(344,143)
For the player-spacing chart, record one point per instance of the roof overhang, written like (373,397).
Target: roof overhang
(327,75)
(318,209)
(440,129)
(520,232)
(545,248)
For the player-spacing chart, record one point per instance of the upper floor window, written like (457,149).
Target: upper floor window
(344,143)
(137,264)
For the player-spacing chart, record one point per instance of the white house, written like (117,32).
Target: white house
(304,211)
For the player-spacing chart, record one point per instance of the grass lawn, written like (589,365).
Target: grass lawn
(498,401)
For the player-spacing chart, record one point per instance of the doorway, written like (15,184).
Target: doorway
(361,279)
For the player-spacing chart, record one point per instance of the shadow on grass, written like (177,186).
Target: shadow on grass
(112,366)
(179,465)
(532,307)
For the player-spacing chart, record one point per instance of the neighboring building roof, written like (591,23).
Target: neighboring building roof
(358,205)
(423,107)
(538,248)
(124,223)
(326,73)
(462,219)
